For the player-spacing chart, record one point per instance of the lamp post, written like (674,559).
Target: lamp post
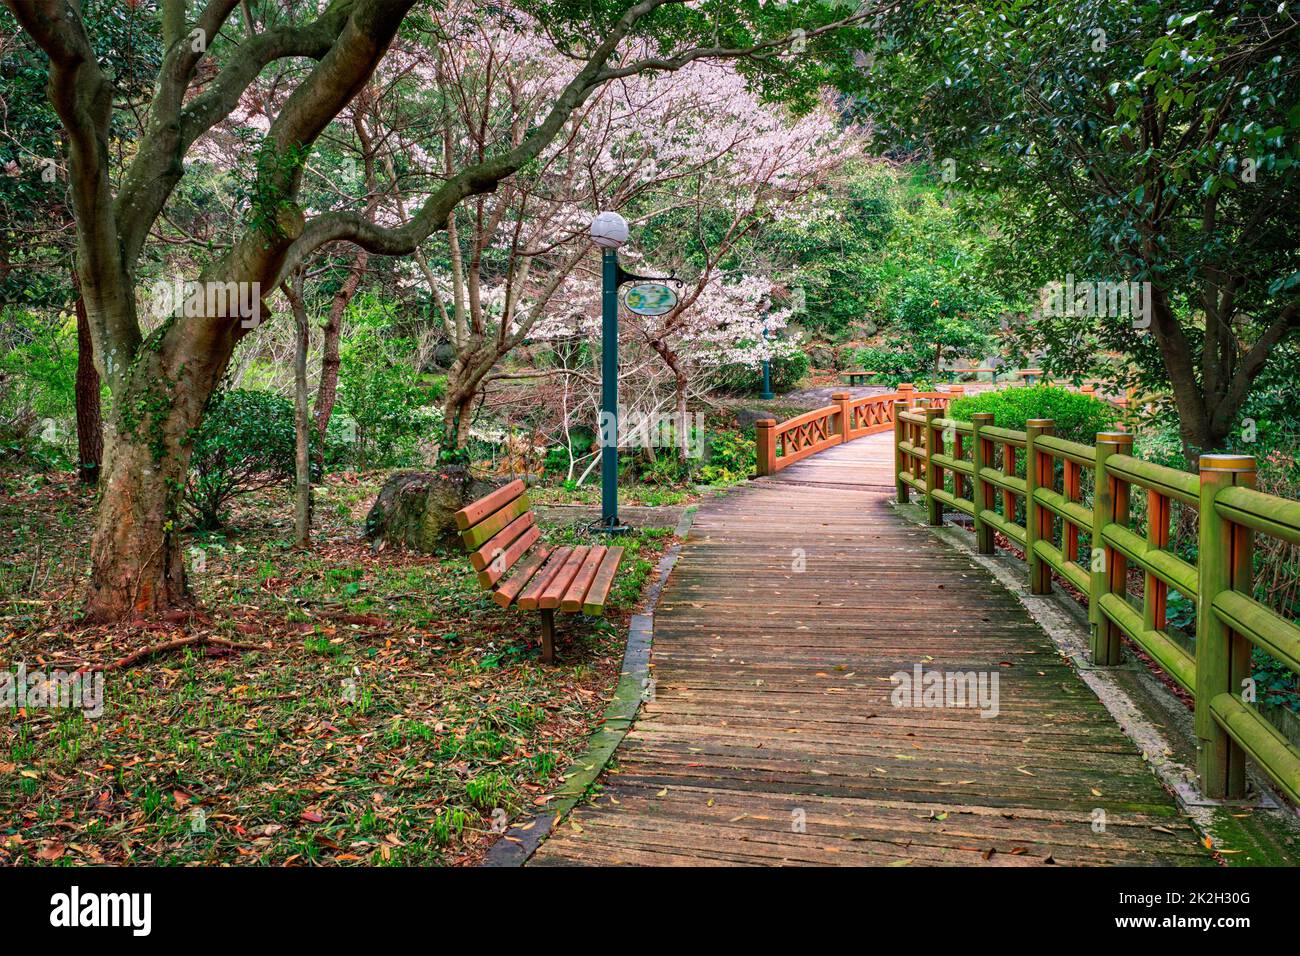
(609,231)
(767,367)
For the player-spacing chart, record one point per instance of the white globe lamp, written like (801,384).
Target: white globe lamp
(609,230)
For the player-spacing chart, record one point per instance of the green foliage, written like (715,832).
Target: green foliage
(835,258)
(246,442)
(732,456)
(38,369)
(1078,417)
(379,388)
(583,441)
(788,370)
(1126,142)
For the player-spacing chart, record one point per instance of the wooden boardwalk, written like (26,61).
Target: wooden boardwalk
(772,740)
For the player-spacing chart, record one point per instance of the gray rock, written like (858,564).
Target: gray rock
(415,509)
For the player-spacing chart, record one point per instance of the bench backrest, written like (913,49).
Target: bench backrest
(498,530)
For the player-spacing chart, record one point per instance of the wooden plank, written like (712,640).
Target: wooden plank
(500,543)
(511,587)
(528,598)
(773,683)
(473,513)
(476,536)
(594,603)
(550,597)
(495,571)
(572,600)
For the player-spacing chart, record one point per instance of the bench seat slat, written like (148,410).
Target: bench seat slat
(476,536)
(573,595)
(527,599)
(550,597)
(475,512)
(510,588)
(594,603)
(497,569)
(500,542)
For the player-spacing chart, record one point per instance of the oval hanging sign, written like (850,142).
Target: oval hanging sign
(649,298)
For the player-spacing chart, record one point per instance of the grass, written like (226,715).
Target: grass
(392,715)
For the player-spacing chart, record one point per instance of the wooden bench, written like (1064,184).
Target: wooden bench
(859,376)
(504,545)
(976,372)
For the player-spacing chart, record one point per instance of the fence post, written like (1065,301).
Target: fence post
(906,391)
(766,430)
(933,504)
(1038,520)
(842,399)
(981,453)
(1222,657)
(900,435)
(1109,568)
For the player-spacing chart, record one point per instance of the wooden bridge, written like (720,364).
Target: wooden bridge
(784,726)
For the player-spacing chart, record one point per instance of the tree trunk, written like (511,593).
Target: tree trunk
(90,426)
(302,419)
(137,565)
(683,427)
(464,379)
(456,415)
(327,390)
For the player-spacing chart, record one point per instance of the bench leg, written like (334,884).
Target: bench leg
(548,637)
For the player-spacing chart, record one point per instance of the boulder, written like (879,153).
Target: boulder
(444,355)
(415,509)
(822,357)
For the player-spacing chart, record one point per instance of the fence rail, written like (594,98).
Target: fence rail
(1037,478)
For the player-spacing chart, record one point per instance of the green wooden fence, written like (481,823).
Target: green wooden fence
(1038,480)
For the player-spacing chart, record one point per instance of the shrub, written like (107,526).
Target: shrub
(1078,417)
(557,456)
(932,317)
(893,367)
(246,442)
(732,456)
(38,367)
(381,396)
(788,370)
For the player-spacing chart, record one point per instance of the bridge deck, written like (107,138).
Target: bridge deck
(771,738)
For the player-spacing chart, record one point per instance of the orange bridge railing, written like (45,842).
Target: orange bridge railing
(784,443)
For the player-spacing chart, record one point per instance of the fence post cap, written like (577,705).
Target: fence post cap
(765,423)
(1041,422)
(906,387)
(1227,462)
(932,411)
(982,417)
(841,397)
(1114,438)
